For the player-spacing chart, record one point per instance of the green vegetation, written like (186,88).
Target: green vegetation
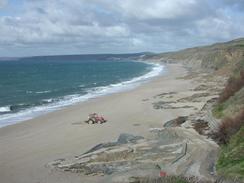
(231,160)
(228,128)
(231,131)
(234,84)
(220,56)
(218,111)
(167,179)
(239,45)
(230,107)
(231,100)
(239,67)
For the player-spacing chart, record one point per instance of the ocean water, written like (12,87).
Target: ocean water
(33,86)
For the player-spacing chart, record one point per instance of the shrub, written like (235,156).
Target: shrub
(228,127)
(234,84)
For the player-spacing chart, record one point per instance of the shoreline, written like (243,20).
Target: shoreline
(27,147)
(28,114)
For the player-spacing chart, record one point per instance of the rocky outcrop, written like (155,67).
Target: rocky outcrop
(174,151)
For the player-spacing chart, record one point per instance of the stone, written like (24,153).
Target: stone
(125,138)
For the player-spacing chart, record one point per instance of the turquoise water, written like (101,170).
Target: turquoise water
(31,86)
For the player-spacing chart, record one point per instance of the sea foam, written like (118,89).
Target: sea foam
(13,118)
(5,109)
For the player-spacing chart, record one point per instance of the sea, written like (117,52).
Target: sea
(33,86)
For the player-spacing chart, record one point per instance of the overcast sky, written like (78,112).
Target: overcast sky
(49,27)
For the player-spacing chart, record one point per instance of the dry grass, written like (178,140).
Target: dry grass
(166,179)
(234,84)
(228,127)
(201,126)
(180,179)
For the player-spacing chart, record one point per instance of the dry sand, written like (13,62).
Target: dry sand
(27,147)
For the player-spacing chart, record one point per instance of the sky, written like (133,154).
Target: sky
(58,27)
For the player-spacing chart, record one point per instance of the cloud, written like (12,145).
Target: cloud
(3,3)
(161,9)
(95,26)
(236,3)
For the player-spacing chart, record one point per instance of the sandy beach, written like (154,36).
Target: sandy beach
(99,91)
(27,147)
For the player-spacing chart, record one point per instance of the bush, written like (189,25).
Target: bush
(228,127)
(234,84)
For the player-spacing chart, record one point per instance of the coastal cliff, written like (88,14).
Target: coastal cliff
(220,56)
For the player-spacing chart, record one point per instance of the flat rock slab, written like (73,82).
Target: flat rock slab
(173,150)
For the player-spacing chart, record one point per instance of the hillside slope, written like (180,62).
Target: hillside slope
(225,56)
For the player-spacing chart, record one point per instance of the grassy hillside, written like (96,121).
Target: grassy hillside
(218,56)
(231,160)
(231,100)
(231,106)
(230,134)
